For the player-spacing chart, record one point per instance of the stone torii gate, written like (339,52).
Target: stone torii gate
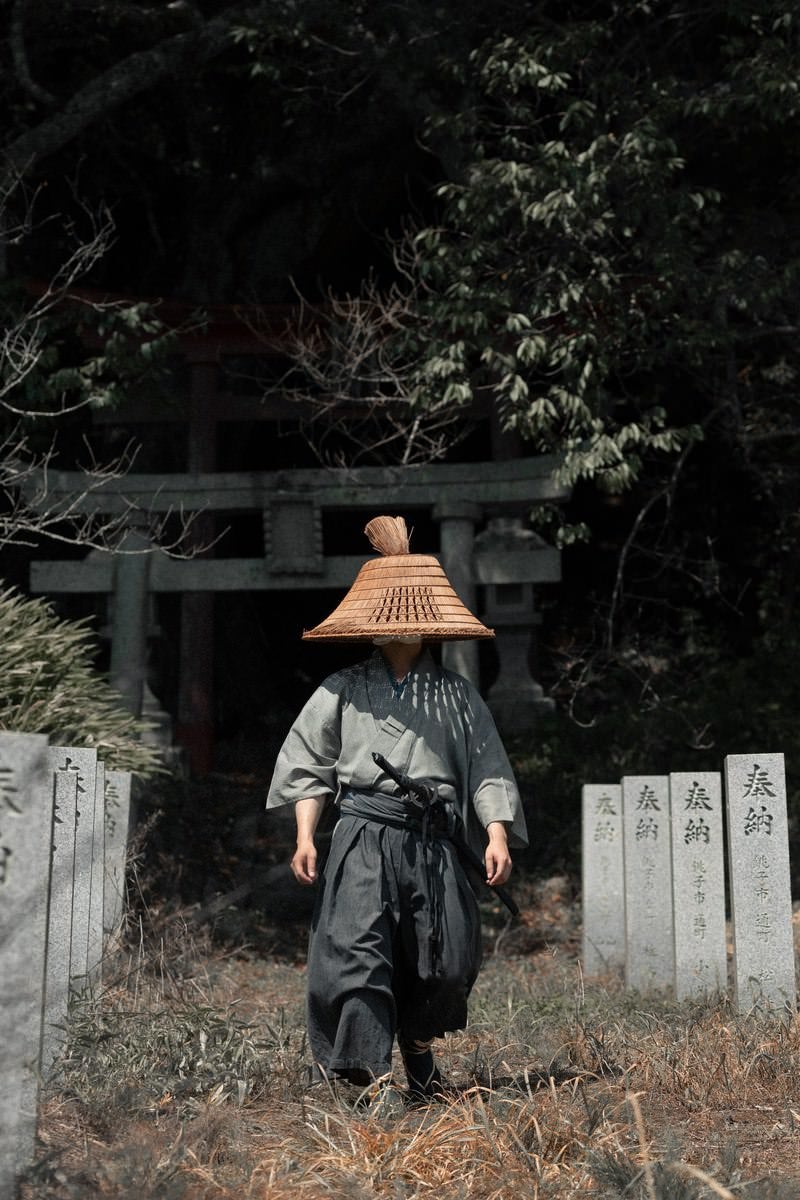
(505,557)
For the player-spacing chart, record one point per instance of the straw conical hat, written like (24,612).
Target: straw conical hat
(398,595)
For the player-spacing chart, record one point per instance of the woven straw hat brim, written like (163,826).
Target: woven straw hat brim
(403,595)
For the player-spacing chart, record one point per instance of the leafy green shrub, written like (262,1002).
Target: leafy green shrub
(48,684)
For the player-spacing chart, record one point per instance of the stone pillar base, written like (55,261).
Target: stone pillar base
(516,700)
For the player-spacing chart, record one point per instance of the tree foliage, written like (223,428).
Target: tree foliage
(613,262)
(609,256)
(615,266)
(616,208)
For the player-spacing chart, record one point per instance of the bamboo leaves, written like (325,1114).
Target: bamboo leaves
(48,684)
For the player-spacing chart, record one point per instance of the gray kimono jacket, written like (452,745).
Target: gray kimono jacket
(439,730)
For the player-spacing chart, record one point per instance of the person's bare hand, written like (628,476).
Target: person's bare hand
(497,857)
(304,862)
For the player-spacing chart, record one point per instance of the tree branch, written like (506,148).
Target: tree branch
(769,435)
(23,336)
(16,38)
(31,509)
(353,390)
(113,87)
(30,506)
(665,493)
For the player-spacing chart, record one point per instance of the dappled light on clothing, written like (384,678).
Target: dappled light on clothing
(440,729)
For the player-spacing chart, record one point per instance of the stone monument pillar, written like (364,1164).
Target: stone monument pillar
(764,969)
(457,538)
(647,858)
(26,835)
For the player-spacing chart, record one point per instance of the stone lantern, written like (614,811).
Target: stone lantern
(512,559)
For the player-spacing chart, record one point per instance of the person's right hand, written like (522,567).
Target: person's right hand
(304,862)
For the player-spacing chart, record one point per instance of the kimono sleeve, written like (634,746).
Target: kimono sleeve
(307,761)
(492,786)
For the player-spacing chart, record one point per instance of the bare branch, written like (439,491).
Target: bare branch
(664,494)
(353,389)
(770,435)
(22,339)
(31,509)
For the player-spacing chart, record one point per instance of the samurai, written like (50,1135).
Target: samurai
(395,940)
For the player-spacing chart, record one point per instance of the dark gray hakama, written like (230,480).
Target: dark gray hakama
(379,965)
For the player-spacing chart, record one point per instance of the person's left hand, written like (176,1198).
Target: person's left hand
(497,857)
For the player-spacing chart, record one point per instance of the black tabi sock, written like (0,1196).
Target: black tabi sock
(421,1072)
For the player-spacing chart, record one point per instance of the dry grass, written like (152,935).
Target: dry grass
(184,1080)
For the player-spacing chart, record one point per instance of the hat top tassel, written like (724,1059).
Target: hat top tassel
(388,535)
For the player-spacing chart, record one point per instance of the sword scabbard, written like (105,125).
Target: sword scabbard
(426,794)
